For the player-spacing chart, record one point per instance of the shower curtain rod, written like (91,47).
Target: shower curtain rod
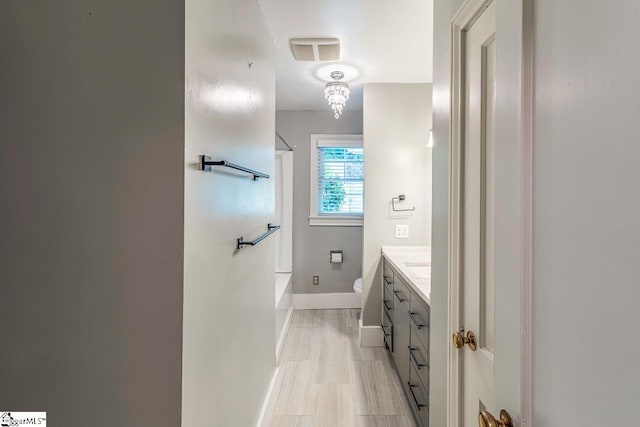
(283,141)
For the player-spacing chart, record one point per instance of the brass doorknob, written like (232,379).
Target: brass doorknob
(485,419)
(459,340)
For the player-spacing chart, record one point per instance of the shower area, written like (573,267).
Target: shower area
(283,241)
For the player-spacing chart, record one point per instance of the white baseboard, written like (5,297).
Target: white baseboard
(326,301)
(371,336)
(269,404)
(283,334)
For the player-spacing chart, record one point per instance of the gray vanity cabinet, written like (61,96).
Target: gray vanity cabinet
(405,323)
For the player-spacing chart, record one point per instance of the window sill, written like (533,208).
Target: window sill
(336,221)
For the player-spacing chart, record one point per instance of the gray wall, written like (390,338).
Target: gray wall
(586,213)
(229,297)
(91,183)
(397,119)
(311,245)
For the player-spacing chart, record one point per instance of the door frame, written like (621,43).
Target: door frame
(464,18)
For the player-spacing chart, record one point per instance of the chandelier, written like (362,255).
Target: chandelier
(336,93)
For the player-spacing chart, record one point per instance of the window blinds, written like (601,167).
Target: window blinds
(340,179)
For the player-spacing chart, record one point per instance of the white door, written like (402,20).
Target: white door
(478,213)
(486,256)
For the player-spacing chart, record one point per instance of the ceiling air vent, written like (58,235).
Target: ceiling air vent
(315,49)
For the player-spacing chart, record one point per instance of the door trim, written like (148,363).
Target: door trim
(464,18)
(526,304)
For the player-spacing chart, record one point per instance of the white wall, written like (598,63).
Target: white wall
(91,218)
(229,311)
(397,120)
(311,245)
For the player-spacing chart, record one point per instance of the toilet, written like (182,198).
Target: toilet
(357,285)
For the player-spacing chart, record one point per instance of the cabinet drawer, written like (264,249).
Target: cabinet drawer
(400,291)
(387,330)
(387,300)
(401,329)
(419,316)
(387,273)
(418,398)
(419,358)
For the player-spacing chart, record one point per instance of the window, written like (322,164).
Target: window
(336,180)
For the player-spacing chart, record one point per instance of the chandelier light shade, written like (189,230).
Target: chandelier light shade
(336,93)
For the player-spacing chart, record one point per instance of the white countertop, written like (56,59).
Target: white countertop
(414,265)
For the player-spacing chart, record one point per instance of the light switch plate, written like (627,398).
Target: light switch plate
(335,257)
(402,231)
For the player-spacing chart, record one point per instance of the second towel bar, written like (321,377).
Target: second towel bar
(270,230)
(206,163)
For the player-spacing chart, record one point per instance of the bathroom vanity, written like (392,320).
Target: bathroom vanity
(406,285)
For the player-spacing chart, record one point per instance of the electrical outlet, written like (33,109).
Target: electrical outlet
(402,231)
(316,280)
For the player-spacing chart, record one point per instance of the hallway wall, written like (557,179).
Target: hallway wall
(229,311)
(311,244)
(91,223)
(586,213)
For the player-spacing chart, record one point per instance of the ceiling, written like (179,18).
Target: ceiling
(381,41)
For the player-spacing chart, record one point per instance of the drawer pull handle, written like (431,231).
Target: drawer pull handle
(397,294)
(417,364)
(418,404)
(415,321)
(385,302)
(387,280)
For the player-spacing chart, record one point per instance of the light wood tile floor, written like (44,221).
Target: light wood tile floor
(328,380)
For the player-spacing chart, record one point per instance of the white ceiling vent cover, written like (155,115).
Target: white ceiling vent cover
(315,49)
